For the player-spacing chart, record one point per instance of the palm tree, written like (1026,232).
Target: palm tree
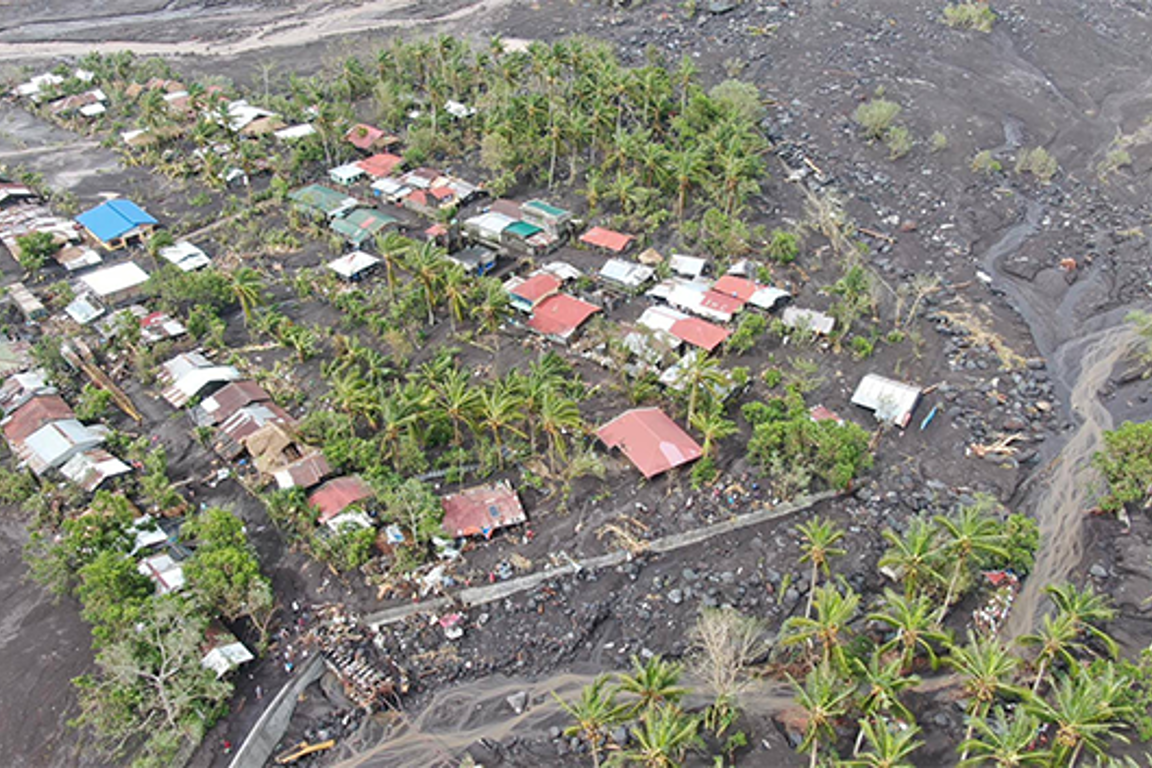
(818,538)
(248,290)
(686,168)
(390,246)
(1005,743)
(654,683)
(558,416)
(712,424)
(972,532)
(883,683)
(890,747)
(1057,639)
(834,611)
(1086,609)
(458,397)
(987,669)
(825,698)
(352,394)
(912,621)
(1087,711)
(491,307)
(455,288)
(499,410)
(663,736)
(427,264)
(912,556)
(701,373)
(595,713)
(396,414)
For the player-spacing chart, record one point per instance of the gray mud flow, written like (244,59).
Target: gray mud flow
(456,718)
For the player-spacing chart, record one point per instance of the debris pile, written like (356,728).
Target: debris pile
(371,678)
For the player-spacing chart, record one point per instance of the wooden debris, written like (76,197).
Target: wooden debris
(1001,447)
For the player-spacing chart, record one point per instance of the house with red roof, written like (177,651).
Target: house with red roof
(699,333)
(560,316)
(606,239)
(651,440)
(482,510)
(525,295)
(337,495)
(380,165)
(369,138)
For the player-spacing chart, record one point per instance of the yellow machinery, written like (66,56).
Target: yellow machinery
(300,750)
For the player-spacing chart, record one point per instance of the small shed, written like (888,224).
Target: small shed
(190,374)
(890,400)
(606,239)
(165,572)
(84,309)
(354,266)
(626,274)
(305,472)
(690,267)
(185,256)
(482,510)
(809,320)
(92,468)
(346,174)
(476,259)
(26,301)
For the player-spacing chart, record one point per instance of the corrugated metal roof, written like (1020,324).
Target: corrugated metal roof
(53,444)
(810,319)
(561,315)
(482,510)
(650,440)
(114,219)
(600,237)
(889,399)
(92,468)
(115,279)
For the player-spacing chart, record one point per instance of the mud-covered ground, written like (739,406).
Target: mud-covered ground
(1069,75)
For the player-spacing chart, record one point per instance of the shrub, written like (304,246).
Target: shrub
(34,249)
(1038,162)
(783,247)
(984,163)
(93,404)
(862,347)
(772,377)
(970,15)
(938,142)
(876,117)
(899,141)
(1116,159)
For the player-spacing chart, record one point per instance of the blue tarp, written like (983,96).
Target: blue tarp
(114,218)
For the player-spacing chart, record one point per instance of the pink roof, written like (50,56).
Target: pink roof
(380,165)
(481,510)
(650,440)
(441,193)
(699,333)
(537,287)
(561,315)
(363,136)
(436,230)
(606,238)
(720,302)
(731,285)
(335,496)
(419,197)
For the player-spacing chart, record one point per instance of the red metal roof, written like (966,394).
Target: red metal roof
(363,136)
(606,238)
(482,510)
(418,197)
(336,495)
(303,473)
(720,302)
(441,193)
(650,440)
(436,230)
(38,411)
(731,285)
(537,287)
(699,333)
(380,165)
(561,315)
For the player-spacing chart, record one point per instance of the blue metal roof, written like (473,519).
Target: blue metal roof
(114,218)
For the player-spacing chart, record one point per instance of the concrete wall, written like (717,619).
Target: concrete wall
(269,729)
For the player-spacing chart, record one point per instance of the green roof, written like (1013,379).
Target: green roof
(522,229)
(545,208)
(362,224)
(319,198)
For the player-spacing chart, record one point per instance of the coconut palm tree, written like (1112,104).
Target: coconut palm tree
(558,417)
(595,713)
(890,747)
(686,169)
(913,556)
(987,669)
(498,412)
(1087,711)
(247,289)
(826,698)
(352,394)
(664,735)
(491,306)
(915,629)
(459,398)
(427,264)
(456,287)
(971,533)
(1057,638)
(390,246)
(711,422)
(654,682)
(1004,742)
(1086,609)
(818,539)
(834,611)
(883,682)
(702,373)
(396,413)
